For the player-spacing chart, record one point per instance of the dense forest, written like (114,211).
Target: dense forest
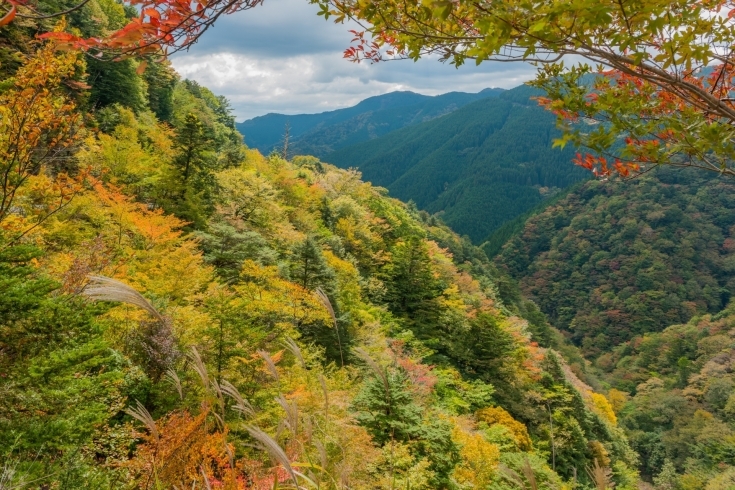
(478,167)
(321,134)
(639,275)
(680,417)
(614,260)
(180,311)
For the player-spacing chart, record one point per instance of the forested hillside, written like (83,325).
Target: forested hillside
(640,275)
(321,134)
(680,418)
(180,311)
(479,167)
(614,260)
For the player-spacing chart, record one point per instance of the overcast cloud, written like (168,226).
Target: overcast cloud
(282,57)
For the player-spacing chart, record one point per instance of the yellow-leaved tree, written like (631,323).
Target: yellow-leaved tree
(38,127)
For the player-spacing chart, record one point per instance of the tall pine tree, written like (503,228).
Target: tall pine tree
(193,182)
(412,286)
(309,269)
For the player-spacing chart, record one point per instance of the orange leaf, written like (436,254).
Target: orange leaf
(152,13)
(8,18)
(141,67)
(57,36)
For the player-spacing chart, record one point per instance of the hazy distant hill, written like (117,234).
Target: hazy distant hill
(482,165)
(319,134)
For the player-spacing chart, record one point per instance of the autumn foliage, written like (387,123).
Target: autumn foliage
(39,127)
(179,310)
(660,74)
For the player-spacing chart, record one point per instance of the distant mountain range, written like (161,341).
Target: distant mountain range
(478,160)
(479,166)
(320,134)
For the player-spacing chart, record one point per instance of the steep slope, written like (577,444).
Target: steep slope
(480,166)
(673,393)
(319,134)
(196,315)
(613,260)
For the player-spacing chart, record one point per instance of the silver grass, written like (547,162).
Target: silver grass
(601,477)
(323,459)
(241,404)
(514,477)
(269,364)
(230,456)
(281,427)
(199,366)
(101,288)
(374,366)
(207,485)
(274,450)
(291,345)
(529,474)
(344,476)
(292,413)
(219,419)
(328,305)
(220,398)
(140,413)
(174,379)
(326,394)
(308,429)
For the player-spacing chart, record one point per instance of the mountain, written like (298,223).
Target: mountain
(614,260)
(319,134)
(479,166)
(180,311)
(640,274)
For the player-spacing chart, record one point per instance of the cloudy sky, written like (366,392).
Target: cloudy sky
(282,57)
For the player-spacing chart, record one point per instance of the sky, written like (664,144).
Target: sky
(282,57)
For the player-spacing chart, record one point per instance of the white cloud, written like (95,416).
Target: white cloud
(282,57)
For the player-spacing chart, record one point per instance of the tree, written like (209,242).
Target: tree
(157,27)
(38,127)
(194,182)
(387,410)
(309,269)
(192,142)
(667,67)
(412,286)
(161,80)
(21,293)
(115,83)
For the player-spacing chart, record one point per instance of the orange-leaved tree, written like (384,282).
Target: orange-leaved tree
(162,27)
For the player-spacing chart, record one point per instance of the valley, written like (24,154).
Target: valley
(514,289)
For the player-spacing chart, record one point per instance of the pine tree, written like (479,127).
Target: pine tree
(387,410)
(191,142)
(193,184)
(161,80)
(22,293)
(309,269)
(412,286)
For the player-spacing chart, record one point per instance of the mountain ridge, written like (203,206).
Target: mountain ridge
(266,132)
(478,167)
